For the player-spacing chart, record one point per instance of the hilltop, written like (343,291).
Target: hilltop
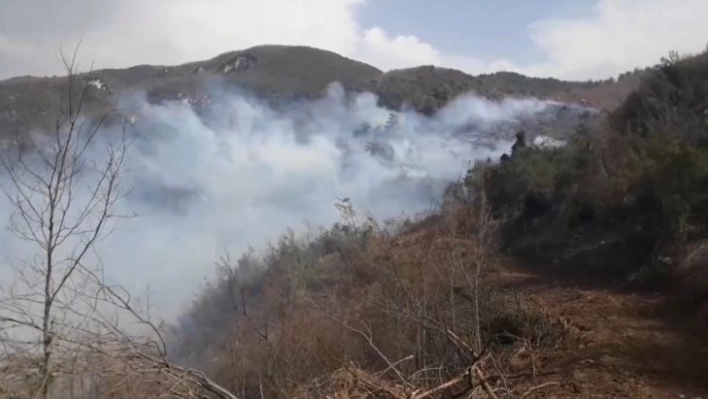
(284,73)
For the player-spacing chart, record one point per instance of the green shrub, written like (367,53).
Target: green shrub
(620,195)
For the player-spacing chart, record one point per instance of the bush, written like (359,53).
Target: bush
(621,196)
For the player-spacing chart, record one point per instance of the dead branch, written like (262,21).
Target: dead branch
(368,337)
(537,387)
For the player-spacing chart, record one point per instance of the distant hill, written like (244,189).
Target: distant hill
(286,72)
(427,88)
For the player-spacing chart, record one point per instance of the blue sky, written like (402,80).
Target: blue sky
(567,39)
(485,29)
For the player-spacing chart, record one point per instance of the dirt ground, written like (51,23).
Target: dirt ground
(619,345)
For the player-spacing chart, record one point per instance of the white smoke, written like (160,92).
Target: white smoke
(240,173)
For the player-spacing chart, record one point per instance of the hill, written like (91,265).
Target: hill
(576,271)
(284,73)
(289,71)
(427,88)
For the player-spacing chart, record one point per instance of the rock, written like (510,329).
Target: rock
(239,64)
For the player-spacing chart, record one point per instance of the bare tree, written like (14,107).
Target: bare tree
(63,200)
(64,189)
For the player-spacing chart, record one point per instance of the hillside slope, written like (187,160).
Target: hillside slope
(580,273)
(427,88)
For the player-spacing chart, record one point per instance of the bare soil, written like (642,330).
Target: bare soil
(619,345)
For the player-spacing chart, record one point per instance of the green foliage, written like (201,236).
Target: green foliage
(544,172)
(428,88)
(676,174)
(622,194)
(672,97)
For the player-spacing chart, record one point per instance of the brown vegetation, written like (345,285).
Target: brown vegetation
(392,316)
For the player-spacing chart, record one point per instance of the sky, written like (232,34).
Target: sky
(572,39)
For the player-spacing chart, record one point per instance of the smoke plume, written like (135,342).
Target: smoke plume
(239,172)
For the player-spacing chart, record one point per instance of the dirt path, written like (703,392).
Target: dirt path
(619,345)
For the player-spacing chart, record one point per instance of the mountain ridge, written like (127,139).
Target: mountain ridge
(279,72)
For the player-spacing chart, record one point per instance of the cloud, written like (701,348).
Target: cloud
(396,52)
(617,36)
(121,33)
(124,33)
